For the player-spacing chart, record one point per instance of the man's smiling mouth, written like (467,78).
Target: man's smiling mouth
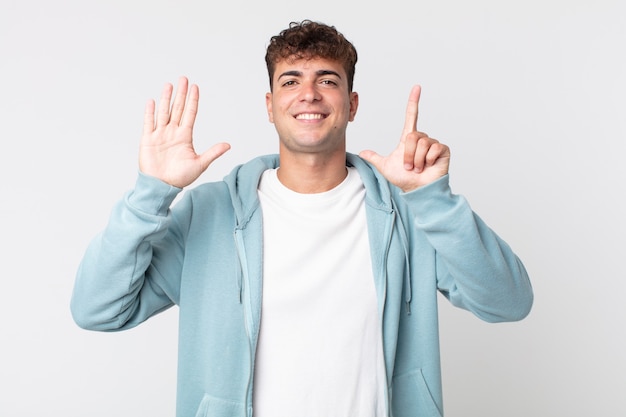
(310,116)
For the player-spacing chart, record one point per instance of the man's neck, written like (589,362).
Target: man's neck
(312,173)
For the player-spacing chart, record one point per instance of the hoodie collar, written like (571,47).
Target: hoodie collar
(243,181)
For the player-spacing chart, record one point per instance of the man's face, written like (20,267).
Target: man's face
(310,105)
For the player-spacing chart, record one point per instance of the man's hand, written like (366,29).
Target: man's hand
(418,159)
(166,150)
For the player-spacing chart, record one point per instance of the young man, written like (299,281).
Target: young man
(306,281)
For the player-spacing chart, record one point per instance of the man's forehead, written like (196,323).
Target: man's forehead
(315,64)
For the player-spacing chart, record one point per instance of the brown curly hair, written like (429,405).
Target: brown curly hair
(307,40)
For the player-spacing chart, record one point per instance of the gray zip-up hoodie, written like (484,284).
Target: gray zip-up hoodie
(205,255)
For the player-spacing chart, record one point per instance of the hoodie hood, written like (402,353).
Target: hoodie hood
(243,181)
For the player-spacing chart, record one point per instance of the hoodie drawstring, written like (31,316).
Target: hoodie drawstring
(405,246)
(242,262)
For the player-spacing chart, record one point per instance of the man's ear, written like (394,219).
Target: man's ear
(268,105)
(354,104)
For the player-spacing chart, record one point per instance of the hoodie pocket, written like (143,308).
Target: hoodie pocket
(215,407)
(411,397)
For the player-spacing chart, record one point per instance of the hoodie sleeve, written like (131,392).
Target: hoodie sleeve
(476,269)
(129,271)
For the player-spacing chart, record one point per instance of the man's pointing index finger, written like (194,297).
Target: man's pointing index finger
(410,121)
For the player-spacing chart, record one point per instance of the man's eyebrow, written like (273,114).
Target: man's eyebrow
(294,73)
(328,72)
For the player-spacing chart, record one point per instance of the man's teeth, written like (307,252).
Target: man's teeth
(309,116)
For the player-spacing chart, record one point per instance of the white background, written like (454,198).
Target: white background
(530,96)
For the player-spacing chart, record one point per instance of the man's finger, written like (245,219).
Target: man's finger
(163,116)
(148,118)
(179,101)
(212,154)
(410,121)
(411,140)
(191,109)
(373,158)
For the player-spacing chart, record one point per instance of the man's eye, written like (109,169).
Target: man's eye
(288,83)
(329,82)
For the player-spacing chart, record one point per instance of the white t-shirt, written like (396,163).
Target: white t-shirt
(320,345)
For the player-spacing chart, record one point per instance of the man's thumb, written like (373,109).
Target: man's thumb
(371,157)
